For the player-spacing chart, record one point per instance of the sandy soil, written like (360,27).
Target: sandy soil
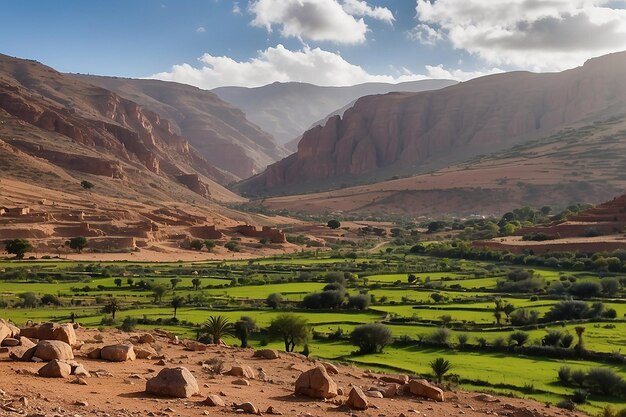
(122,393)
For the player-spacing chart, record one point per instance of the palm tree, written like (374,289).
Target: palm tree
(440,367)
(177,302)
(217,327)
(243,328)
(112,306)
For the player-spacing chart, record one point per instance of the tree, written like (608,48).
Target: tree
(359,301)
(48,299)
(130,282)
(196,283)
(217,327)
(243,327)
(273,300)
(174,282)
(440,367)
(209,245)
(579,332)
(158,291)
(196,244)
(111,307)
(519,337)
(29,299)
(294,330)
(177,302)
(610,286)
(78,243)
(86,185)
(333,224)
(411,278)
(18,247)
(371,337)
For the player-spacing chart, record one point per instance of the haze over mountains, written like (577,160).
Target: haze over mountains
(286,110)
(407,133)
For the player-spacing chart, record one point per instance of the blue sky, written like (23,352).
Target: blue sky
(328,42)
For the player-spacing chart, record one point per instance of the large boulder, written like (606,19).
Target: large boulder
(395,379)
(266,354)
(357,399)
(146,338)
(214,400)
(173,382)
(14,331)
(11,342)
(118,353)
(55,369)
(145,352)
(48,350)
(22,353)
(51,331)
(26,342)
(5,332)
(242,371)
(94,353)
(316,383)
(423,388)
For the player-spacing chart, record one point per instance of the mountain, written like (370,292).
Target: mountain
(74,126)
(286,110)
(220,132)
(401,134)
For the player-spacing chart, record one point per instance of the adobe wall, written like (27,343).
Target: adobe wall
(206,232)
(267,232)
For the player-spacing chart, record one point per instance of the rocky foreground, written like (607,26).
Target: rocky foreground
(56,370)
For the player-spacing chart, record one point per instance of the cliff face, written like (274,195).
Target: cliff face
(220,132)
(409,130)
(107,135)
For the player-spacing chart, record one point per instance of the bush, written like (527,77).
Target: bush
(568,310)
(553,338)
(129,324)
(371,337)
(580,396)
(585,289)
(519,337)
(604,380)
(567,405)
(439,336)
(578,377)
(524,317)
(565,374)
(359,302)
(462,338)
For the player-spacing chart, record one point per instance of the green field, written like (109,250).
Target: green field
(239,288)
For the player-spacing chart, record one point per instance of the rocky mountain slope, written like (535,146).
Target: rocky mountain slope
(403,133)
(286,110)
(217,130)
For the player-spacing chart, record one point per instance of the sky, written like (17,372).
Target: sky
(212,43)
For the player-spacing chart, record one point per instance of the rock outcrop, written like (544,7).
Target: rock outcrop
(118,353)
(423,388)
(48,350)
(402,132)
(173,382)
(316,383)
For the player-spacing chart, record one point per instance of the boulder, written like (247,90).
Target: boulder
(388,391)
(241,381)
(9,341)
(94,353)
(145,352)
(330,368)
(423,388)
(374,393)
(266,354)
(55,369)
(395,379)
(4,331)
(21,353)
(32,332)
(242,371)
(118,353)
(81,371)
(214,400)
(247,408)
(173,382)
(194,346)
(13,330)
(26,342)
(146,338)
(357,399)
(55,331)
(316,383)
(48,350)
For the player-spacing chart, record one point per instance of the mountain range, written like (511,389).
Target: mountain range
(405,134)
(286,110)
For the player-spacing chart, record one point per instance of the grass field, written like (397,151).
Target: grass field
(469,301)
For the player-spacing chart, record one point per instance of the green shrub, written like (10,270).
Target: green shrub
(129,324)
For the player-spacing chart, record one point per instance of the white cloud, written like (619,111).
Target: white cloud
(361,8)
(315,66)
(538,35)
(200,29)
(424,34)
(318,20)
(236,8)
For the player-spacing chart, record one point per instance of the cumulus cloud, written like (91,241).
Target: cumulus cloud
(237,8)
(531,34)
(361,8)
(311,65)
(200,29)
(318,20)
